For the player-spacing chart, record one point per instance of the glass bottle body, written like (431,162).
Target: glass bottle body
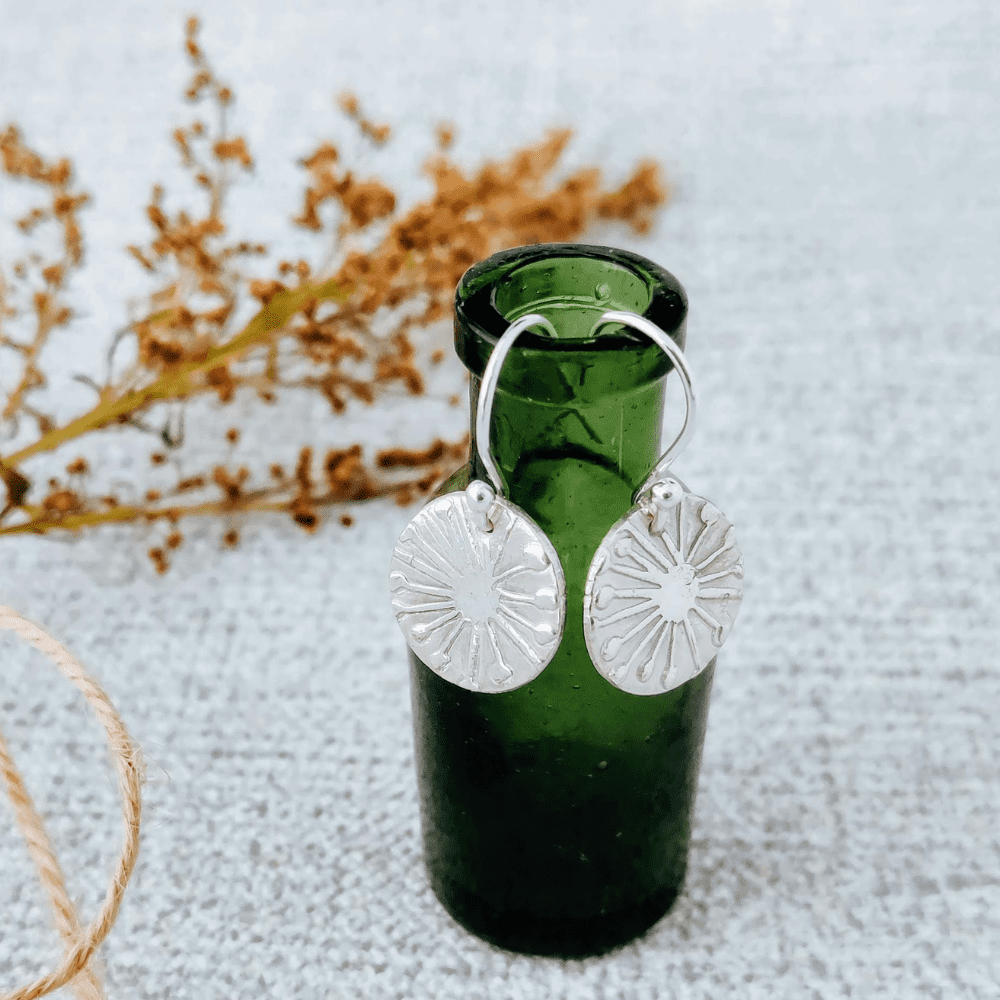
(556,816)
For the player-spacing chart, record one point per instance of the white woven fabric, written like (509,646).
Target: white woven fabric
(836,227)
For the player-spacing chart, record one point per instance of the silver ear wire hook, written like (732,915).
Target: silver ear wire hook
(488,388)
(664,585)
(667,345)
(477,588)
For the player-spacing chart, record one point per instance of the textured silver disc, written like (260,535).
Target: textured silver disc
(662,592)
(479,594)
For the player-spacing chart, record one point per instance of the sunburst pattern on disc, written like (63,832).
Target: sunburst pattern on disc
(662,593)
(484,609)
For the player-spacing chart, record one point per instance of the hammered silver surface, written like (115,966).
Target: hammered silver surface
(484,610)
(662,593)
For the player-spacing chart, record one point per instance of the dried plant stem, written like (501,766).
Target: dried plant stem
(264,500)
(128,767)
(177,382)
(30,354)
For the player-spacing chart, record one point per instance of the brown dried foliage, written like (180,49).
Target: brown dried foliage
(42,281)
(314,324)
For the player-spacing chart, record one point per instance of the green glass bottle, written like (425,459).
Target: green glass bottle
(556,817)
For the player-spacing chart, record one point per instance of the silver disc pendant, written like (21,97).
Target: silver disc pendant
(478,591)
(662,592)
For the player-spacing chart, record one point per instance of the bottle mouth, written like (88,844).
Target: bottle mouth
(570,292)
(571,285)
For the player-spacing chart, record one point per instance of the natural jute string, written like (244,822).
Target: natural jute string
(80,946)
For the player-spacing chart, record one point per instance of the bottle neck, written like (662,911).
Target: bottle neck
(573,397)
(604,408)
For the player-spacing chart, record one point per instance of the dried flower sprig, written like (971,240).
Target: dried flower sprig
(342,327)
(48,278)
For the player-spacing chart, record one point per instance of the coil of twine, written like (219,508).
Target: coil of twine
(77,966)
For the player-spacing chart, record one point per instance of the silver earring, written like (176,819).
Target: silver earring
(664,586)
(477,588)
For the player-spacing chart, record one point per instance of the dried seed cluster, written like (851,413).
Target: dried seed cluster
(341,328)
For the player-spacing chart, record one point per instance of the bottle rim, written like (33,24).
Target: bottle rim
(479,324)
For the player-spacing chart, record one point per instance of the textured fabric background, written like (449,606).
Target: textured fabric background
(836,227)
